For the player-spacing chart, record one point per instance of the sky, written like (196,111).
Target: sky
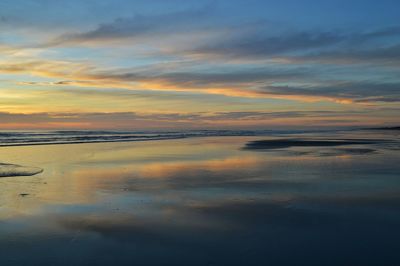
(169,64)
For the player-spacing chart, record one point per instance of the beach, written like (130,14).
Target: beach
(199,133)
(231,200)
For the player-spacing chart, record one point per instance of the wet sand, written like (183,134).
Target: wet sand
(203,201)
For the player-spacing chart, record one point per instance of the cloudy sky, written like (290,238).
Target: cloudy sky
(119,64)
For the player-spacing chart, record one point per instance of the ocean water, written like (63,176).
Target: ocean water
(23,138)
(209,198)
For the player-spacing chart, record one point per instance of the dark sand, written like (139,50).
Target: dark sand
(288,143)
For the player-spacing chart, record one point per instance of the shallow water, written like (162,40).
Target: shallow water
(203,201)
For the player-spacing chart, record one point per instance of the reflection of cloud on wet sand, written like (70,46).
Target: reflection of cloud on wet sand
(172,174)
(76,180)
(186,199)
(261,229)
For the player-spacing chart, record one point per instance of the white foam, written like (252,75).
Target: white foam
(18,170)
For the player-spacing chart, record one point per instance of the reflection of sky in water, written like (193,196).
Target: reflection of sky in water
(200,201)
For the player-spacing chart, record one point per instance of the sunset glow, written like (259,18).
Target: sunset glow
(222,64)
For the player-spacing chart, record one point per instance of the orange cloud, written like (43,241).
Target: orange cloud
(85,75)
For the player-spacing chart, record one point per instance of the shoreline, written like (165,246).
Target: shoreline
(95,141)
(16,139)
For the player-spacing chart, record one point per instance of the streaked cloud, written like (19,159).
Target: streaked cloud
(138,27)
(216,62)
(258,82)
(133,120)
(387,56)
(346,91)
